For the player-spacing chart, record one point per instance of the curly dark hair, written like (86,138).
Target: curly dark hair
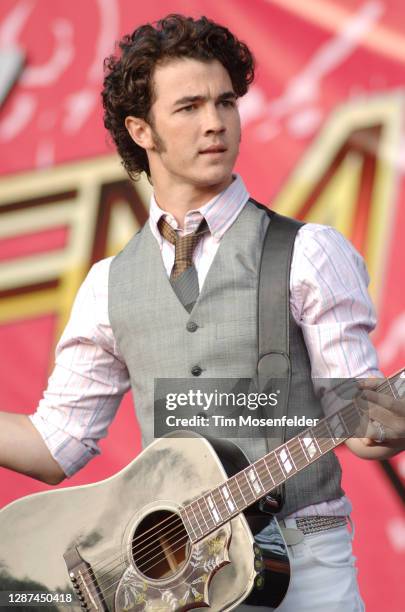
(128,86)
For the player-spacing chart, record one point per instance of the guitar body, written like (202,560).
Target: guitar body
(101,533)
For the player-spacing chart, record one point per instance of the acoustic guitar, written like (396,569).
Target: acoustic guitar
(169,532)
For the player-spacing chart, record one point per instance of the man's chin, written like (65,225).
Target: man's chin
(214,177)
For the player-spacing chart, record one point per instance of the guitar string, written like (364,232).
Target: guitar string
(323,423)
(177,519)
(180,542)
(162,558)
(185,538)
(175,550)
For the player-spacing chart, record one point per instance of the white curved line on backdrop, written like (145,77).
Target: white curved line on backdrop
(14,22)
(304,88)
(45,153)
(108,33)
(78,107)
(49,72)
(18,117)
(395,529)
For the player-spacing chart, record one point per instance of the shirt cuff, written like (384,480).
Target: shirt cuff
(70,453)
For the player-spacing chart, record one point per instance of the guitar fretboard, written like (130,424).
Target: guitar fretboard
(219,505)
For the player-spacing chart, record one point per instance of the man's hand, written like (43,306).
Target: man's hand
(386,416)
(23,450)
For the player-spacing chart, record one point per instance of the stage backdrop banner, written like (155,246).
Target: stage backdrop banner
(323,141)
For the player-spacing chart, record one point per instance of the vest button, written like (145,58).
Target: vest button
(191,326)
(196,370)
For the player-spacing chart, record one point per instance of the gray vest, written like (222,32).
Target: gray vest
(155,337)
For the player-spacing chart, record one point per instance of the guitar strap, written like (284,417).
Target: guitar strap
(273,322)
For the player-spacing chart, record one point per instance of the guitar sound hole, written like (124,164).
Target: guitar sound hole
(160,545)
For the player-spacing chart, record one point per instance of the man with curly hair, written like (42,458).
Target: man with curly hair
(180,299)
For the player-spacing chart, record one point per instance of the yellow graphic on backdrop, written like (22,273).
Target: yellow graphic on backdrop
(99,210)
(347,178)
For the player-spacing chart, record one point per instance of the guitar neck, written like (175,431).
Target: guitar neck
(219,505)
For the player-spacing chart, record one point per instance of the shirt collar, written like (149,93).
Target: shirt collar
(220,212)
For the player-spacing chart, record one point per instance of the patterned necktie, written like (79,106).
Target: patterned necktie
(183,277)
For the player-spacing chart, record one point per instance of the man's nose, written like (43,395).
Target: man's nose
(213,120)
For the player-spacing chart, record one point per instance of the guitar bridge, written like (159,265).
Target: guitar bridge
(84,581)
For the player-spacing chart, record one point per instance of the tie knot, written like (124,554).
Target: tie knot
(184,245)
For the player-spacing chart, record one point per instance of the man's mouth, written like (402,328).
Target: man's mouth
(214,149)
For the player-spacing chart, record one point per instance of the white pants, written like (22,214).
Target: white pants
(323,575)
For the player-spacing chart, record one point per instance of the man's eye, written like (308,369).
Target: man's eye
(188,108)
(228,103)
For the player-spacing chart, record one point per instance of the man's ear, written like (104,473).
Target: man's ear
(140,132)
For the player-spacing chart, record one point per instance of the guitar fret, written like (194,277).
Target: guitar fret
(347,419)
(337,427)
(323,437)
(276,471)
(280,466)
(228,498)
(266,475)
(303,450)
(210,516)
(399,384)
(236,480)
(298,455)
(301,462)
(291,454)
(393,390)
(214,509)
(219,489)
(255,480)
(196,520)
(270,474)
(322,430)
(231,483)
(221,507)
(286,459)
(326,444)
(202,513)
(311,447)
(316,442)
(249,487)
(189,529)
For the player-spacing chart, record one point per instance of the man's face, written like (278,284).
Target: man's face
(195,124)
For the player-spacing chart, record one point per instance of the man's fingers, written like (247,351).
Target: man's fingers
(376,413)
(369,442)
(395,406)
(379,399)
(369,383)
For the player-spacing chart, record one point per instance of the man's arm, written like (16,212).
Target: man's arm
(332,306)
(23,450)
(82,396)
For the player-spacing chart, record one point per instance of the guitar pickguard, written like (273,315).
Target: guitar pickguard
(185,590)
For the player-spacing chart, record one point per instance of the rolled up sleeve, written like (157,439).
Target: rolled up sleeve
(88,381)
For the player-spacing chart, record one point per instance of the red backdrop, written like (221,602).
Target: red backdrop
(323,139)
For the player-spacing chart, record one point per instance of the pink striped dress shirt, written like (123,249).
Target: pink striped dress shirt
(329,300)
